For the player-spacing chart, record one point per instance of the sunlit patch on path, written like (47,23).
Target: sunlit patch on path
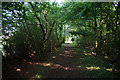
(54,66)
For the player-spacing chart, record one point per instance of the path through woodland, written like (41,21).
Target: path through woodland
(64,64)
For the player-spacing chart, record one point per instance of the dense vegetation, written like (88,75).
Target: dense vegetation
(96,25)
(39,28)
(33,28)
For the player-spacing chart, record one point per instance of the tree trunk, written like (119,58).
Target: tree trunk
(101,21)
(95,23)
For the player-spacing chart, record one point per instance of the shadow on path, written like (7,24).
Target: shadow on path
(65,65)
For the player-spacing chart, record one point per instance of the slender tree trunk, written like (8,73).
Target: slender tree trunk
(89,24)
(100,26)
(64,35)
(95,23)
(60,34)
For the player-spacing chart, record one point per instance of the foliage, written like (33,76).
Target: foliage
(39,27)
(24,35)
(96,25)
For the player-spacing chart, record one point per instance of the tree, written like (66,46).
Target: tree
(34,37)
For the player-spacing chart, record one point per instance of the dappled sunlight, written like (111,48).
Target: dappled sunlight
(58,66)
(43,64)
(18,70)
(66,51)
(89,53)
(78,66)
(67,68)
(32,55)
(65,55)
(106,57)
(84,51)
(92,68)
(93,53)
(53,57)
(15,68)
(38,63)
(109,69)
(46,64)
(55,66)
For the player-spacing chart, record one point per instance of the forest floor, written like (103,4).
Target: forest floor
(66,62)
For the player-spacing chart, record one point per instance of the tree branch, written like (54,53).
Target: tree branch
(45,19)
(38,18)
(50,31)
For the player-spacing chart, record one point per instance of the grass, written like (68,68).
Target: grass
(63,45)
(93,67)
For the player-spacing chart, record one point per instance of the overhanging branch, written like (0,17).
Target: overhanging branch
(50,31)
(37,18)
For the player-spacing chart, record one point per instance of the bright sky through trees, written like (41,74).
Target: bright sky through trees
(58,1)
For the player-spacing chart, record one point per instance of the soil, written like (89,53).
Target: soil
(64,64)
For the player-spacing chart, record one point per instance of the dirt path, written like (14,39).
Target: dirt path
(64,64)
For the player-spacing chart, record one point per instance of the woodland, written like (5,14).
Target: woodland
(38,33)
